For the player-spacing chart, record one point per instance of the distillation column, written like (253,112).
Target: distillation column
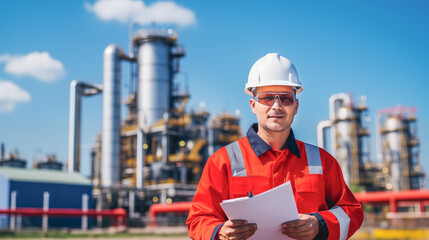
(111,125)
(346,132)
(155,62)
(111,116)
(397,146)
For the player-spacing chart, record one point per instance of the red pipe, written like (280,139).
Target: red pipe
(383,197)
(392,198)
(65,212)
(119,213)
(177,207)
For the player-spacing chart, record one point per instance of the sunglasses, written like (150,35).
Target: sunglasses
(268,98)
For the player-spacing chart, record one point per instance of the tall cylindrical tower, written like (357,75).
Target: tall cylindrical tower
(398,148)
(111,116)
(347,134)
(343,129)
(393,127)
(155,67)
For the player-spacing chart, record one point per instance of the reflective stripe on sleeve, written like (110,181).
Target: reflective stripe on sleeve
(236,159)
(343,220)
(313,159)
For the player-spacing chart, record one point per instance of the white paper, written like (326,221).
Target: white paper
(268,210)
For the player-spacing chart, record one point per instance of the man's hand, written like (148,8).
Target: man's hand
(306,227)
(237,230)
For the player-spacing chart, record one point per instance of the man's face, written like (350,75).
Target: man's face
(274,118)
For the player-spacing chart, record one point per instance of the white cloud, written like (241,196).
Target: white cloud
(10,95)
(136,11)
(36,64)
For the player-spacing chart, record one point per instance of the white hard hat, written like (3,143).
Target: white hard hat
(273,70)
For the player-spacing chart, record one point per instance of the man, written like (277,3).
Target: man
(268,156)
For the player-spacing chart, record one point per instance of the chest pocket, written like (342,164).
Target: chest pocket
(310,193)
(310,189)
(241,186)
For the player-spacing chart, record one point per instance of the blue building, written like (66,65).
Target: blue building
(66,190)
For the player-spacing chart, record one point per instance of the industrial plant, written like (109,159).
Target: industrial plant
(154,153)
(398,164)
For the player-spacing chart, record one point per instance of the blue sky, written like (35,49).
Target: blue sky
(374,48)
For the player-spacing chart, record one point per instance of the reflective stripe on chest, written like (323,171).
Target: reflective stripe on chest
(238,168)
(313,159)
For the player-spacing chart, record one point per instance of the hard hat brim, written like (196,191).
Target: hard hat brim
(295,86)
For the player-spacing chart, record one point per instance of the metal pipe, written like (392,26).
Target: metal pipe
(2,152)
(84,221)
(118,213)
(211,141)
(13,208)
(77,90)
(321,133)
(177,207)
(140,160)
(132,204)
(74,127)
(165,140)
(45,209)
(345,98)
(385,196)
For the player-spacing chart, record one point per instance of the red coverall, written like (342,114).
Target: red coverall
(325,193)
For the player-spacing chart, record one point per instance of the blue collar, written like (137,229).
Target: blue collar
(259,146)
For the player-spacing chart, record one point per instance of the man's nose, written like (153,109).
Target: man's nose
(276,103)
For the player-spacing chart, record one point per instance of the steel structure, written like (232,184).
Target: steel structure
(398,166)
(155,153)
(11,160)
(398,148)
(347,133)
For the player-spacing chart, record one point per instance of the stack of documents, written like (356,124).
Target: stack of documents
(268,210)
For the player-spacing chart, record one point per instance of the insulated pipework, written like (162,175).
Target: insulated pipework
(111,116)
(321,126)
(78,89)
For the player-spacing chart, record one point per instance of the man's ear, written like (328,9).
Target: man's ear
(252,105)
